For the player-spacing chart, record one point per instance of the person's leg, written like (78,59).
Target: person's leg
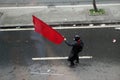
(72,63)
(77,59)
(72,60)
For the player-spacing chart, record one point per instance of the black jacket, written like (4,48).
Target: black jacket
(77,46)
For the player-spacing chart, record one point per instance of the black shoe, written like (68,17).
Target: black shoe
(68,59)
(72,65)
(77,62)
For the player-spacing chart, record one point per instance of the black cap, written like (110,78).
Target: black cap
(77,37)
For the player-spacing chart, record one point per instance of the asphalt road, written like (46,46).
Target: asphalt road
(17,48)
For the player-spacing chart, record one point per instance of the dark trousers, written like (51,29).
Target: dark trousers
(73,58)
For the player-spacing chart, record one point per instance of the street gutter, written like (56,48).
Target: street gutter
(31,27)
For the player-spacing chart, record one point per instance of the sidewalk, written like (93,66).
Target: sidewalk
(18,16)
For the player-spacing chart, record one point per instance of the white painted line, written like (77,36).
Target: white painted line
(59,58)
(84,27)
(117,28)
(74,27)
(55,74)
(17,29)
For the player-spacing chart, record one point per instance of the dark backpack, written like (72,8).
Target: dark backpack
(81,46)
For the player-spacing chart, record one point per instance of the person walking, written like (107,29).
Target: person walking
(77,47)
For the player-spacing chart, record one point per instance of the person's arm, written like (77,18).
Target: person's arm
(68,43)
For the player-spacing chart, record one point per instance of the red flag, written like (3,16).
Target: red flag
(47,31)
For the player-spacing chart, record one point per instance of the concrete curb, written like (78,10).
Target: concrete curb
(58,6)
(1,17)
(70,23)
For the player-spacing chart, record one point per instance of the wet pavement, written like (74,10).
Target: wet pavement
(17,48)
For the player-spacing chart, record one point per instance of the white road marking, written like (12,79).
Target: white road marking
(59,58)
(17,29)
(117,28)
(55,74)
(74,27)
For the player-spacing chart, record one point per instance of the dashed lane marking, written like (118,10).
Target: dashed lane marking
(117,28)
(55,74)
(59,58)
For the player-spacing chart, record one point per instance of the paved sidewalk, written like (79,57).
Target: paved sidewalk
(15,16)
